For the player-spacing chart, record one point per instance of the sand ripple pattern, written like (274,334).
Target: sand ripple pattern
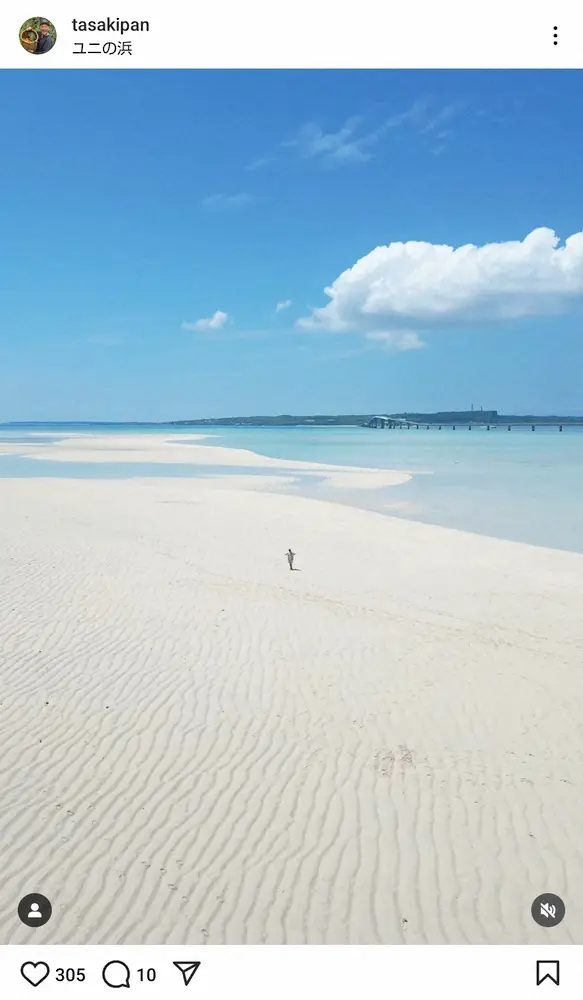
(198,746)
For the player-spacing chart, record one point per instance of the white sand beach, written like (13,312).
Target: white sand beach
(178,450)
(198,746)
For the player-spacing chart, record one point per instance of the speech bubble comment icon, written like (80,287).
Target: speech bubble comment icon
(116,974)
(34,972)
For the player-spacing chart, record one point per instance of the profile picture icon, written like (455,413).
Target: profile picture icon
(38,35)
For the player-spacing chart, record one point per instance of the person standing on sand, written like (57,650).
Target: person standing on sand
(290,558)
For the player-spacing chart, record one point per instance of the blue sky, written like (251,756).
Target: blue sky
(152,222)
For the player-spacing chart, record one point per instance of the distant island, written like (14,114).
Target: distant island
(284,420)
(443,417)
(487,417)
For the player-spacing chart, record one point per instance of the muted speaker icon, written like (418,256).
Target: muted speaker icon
(548,910)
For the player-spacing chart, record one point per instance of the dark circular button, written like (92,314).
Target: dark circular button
(34,910)
(548,910)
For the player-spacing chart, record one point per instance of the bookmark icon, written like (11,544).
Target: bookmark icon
(547,970)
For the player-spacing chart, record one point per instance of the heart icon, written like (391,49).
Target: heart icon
(34,972)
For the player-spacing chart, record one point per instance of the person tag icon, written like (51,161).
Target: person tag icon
(34,910)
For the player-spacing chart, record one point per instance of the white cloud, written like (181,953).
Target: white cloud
(262,161)
(214,322)
(283,305)
(332,148)
(440,118)
(399,340)
(405,287)
(352,143)
(227,202)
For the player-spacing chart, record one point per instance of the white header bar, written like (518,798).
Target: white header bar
(300,34)
(286,973)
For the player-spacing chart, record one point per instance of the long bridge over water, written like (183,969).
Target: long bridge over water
(387,422)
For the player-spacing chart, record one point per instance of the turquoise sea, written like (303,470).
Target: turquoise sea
(520,485)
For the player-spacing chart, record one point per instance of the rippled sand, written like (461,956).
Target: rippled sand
(199,746)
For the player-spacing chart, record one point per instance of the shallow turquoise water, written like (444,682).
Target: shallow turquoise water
(519,485)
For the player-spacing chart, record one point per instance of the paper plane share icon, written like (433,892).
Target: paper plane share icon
(187,969)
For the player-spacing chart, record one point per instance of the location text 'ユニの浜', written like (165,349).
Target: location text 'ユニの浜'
(111,24)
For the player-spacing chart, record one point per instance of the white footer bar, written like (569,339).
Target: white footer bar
(286,972)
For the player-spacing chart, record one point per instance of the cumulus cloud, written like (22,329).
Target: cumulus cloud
(283,305)
(226,202)
(214,322)
(408,287)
